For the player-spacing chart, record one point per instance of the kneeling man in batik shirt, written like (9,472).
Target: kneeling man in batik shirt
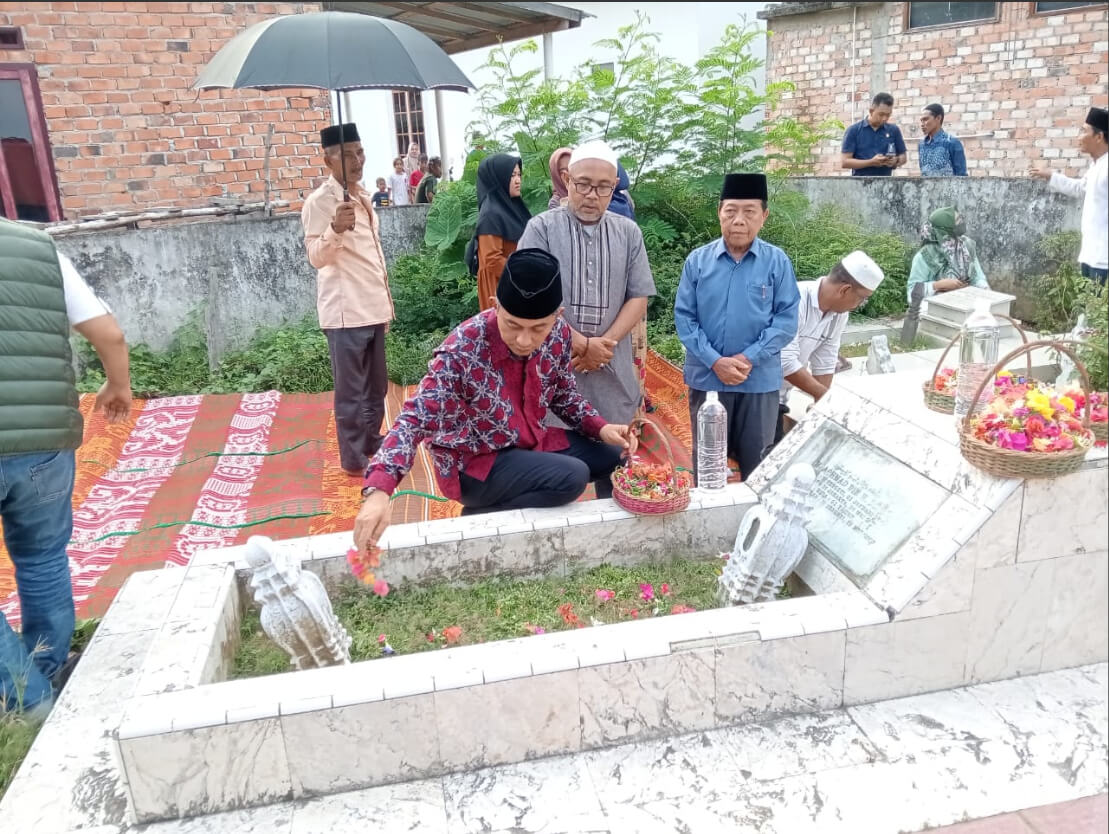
(482,405)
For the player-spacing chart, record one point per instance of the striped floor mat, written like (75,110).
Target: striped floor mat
(196,472)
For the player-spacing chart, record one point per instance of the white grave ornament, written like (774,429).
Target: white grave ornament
(879,360)
(770,542)
(295,610)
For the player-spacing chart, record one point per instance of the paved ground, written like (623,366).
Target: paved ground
(1082,816)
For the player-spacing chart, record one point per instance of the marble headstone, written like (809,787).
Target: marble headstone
(296,612)
(770,542)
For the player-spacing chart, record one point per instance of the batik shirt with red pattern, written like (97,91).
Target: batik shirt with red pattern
(471,405)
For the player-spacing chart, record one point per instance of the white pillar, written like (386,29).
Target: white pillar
(548,56)
(441,125)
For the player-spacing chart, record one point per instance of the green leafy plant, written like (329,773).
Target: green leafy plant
(816,239)
(430,293)
(292,358)
(407,354)
(1059,291)
(1094,352)
(180,368)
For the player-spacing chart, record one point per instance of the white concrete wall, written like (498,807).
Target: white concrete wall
(688,31)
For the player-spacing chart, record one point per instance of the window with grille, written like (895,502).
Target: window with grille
(408,117)
(945,14)
(1048,8)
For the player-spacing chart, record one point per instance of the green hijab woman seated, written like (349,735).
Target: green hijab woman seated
(947,260)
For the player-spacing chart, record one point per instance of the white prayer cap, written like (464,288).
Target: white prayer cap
(862,268)
(594,150)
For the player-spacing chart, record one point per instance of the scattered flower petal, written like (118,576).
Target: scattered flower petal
(682,609)
(604,595)
(646,592)
(452,634)
(381,638)
(665,589)
(381,587)
(566,611)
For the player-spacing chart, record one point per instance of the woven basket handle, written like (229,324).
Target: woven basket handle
(1028,347)
(957,336)
(639,423)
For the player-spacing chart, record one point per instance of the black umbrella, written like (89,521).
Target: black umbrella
(338,51)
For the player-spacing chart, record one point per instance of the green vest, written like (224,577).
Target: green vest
(38,400)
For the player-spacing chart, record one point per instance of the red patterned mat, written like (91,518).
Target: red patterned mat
(196,472)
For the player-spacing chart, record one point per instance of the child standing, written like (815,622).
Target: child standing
(381,196)
(398,184)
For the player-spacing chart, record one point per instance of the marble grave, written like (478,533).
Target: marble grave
(926,574)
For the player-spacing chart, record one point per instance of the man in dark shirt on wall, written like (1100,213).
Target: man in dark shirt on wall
(872,147)
(425,192)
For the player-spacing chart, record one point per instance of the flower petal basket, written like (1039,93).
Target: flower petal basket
(935,398)
(1027,462)
(651,489)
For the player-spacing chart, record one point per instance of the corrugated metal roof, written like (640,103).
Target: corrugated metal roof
(458,27)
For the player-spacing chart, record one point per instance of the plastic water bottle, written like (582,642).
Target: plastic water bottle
(977,355)
(712,443)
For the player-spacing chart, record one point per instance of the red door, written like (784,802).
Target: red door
(28,187)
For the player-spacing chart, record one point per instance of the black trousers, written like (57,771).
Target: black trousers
(361,382)
(752,420)
(780,429)
(524,478)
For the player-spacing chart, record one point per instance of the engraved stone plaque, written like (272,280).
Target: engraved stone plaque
(865,502)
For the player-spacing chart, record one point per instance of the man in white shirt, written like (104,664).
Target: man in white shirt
(809,361)
(42,297)
(1093,187)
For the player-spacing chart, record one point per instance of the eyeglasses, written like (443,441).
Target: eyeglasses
(599,190)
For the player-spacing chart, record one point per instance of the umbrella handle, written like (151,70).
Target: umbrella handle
(342,149)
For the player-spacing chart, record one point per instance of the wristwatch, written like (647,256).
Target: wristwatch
(368,491)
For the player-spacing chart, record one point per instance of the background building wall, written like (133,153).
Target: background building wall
(1027,79)
(126,132)
(240,274)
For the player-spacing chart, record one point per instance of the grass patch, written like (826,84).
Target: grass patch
(919,343)
(415,620)
(16,737)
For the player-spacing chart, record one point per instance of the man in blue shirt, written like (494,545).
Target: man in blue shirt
(735,310)
(941,154)
(872,147)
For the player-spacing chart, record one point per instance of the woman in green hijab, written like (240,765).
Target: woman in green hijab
(947,260)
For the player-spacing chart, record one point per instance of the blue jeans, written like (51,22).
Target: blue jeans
(36,491)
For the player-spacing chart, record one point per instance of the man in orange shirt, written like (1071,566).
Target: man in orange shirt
(352,295)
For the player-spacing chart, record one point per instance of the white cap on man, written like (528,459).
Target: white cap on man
(596,149)
(862,268)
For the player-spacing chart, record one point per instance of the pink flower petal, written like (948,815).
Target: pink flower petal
(604,595)
(381,587)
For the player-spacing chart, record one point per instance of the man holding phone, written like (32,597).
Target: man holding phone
(872,147)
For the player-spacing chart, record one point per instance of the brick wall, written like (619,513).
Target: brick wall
(126,131)
(1029,79)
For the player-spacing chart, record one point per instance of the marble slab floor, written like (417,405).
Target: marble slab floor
(895,766)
